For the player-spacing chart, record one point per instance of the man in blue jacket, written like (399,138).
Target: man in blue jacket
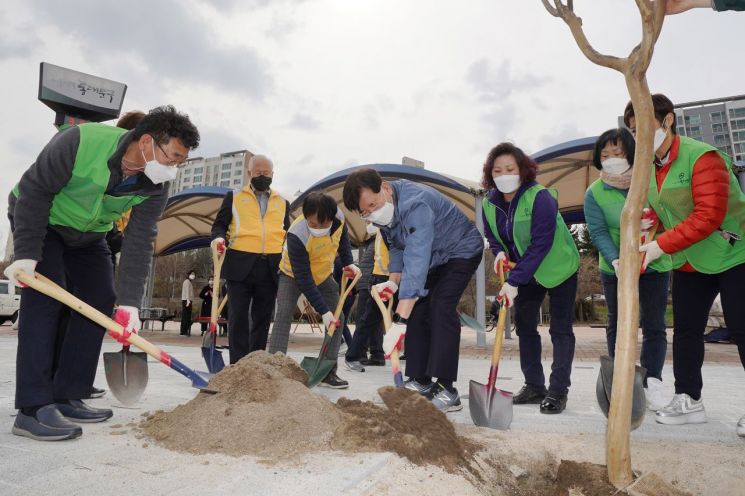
(434,252)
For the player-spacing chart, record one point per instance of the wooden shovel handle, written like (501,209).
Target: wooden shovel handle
(51,289)
(387,311)
(217,260)
(501,322)
(346,288)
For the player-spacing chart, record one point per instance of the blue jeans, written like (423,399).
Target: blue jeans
(653,288)
(561,308)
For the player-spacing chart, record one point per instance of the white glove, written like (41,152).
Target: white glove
(328,319)
(500,256)
(128,317)
(614,263)
(394,339)
(218,244)
(507,294)
(351,271)
(386,290)
(651,251)
(25,264)
(647,224)
(188,303)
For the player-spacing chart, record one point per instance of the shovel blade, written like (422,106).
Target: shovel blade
(489,407)
(213,359)
(317,369)
(126,374)
(604,387)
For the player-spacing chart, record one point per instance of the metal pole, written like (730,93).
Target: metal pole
(480,276)
(147,297)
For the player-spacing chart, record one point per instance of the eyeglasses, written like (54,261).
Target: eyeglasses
(178,163)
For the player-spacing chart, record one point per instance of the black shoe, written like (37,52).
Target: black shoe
(529,396)
(47,425)
(373,362)
(402,356)
(333,381)
(79,412)
(554,403)
(96,393)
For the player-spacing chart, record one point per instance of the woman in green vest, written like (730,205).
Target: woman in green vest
(524,227)
(604,200)
(701,207)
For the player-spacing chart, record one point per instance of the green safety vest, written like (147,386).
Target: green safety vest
(674,203)
(561,261)
(611,201)
(83,203)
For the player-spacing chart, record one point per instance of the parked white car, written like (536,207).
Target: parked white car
(10,301)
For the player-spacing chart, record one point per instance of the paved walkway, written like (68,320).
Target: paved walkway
(105,461)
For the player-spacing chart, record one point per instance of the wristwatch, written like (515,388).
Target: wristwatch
(397,319)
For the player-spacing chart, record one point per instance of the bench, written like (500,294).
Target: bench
(160,314)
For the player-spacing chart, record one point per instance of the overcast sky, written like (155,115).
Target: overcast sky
(318,85)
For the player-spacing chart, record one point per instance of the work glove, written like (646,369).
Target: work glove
(129,319)
(25,264)
(386,290)
(614,263)
(649,219)
(188,303)
(394,339)
(651,252)
(219,245)
(351,271)
(507,294)
(328,319)
(501,258)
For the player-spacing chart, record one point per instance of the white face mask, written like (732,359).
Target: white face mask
(192,276)
(157,172)
(659,137)
(372,229)
(507,183)
(615,165)
(319,233)
(382,216)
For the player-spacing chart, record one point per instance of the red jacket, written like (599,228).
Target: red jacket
(710,188)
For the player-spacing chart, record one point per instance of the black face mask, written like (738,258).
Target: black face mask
(261,183)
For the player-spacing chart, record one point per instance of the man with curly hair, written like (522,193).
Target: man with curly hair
(83,180)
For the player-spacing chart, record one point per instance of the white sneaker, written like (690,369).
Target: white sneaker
(655,394)
(741,427)
(682,410)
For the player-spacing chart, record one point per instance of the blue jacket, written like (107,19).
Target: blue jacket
(542,232)
(427,230)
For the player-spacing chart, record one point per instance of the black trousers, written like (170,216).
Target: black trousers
(693,295)
(369,328)
(256,293)
(433,331)
(186,318)
(89,270)
(561,308)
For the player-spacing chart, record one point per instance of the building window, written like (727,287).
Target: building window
(739,147)
(681,130)
(186,180)
(238,172)
(737,112)
(225,184)
(719,128)
(738,135)
(721,139)
(198,179)
(226,166)
(198,170)
(694,131)
(693,119)
(717,117)
(236,181)
(225,175)
(738,124)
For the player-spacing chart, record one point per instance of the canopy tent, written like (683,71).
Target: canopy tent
(567,167)
(187,220)
(461,192)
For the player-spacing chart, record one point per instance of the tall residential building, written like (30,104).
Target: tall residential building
(224,170)
(719,122)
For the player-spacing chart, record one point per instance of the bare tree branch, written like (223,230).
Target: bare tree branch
(551,10)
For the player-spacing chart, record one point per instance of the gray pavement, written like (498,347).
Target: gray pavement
(107,461)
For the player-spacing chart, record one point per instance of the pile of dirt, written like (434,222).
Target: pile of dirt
(410,426)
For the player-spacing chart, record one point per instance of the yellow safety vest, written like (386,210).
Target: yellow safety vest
(380,267)
(252,233)
(321,250)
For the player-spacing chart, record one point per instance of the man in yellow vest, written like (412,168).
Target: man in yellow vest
(254,221)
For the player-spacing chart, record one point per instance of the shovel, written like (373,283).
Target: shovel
(210,351)
(211,355)
(318,368)
(489,406)
(604,384)
(116,381)
(126,374)
(398,378)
